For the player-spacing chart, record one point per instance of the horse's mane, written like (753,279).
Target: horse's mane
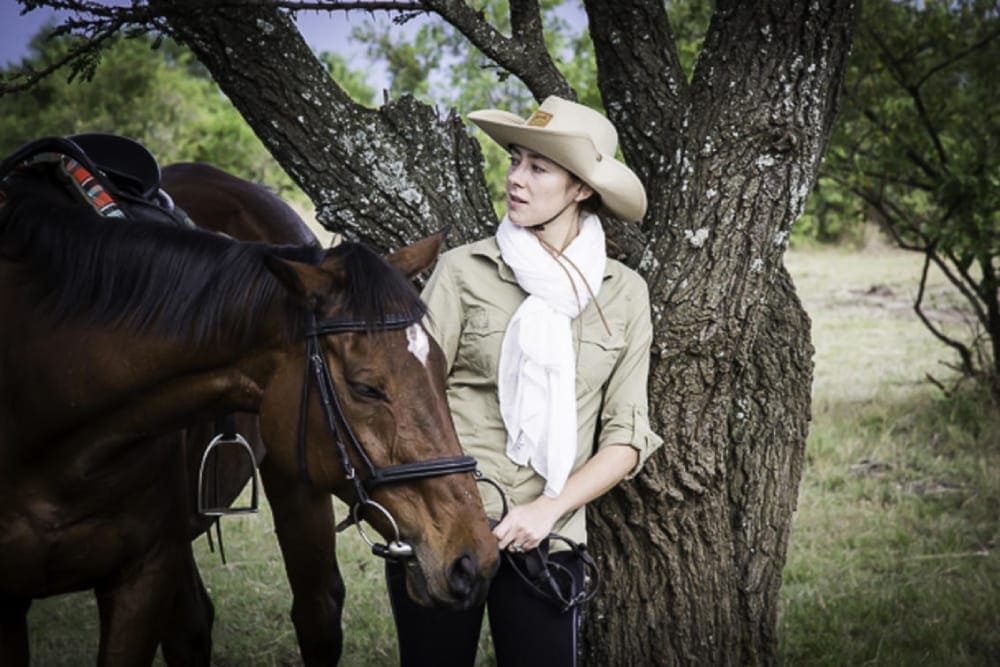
(383,292)
(193,285)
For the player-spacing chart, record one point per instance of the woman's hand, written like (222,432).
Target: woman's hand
(525,526)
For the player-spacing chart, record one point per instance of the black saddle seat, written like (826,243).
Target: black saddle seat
(123,167)
(129,164)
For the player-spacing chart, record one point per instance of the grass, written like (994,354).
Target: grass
(893,554)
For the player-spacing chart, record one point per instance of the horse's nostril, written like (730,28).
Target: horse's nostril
(462,576)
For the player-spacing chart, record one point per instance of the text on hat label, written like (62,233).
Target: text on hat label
(539,118)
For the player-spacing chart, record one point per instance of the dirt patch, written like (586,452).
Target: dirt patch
(938,305)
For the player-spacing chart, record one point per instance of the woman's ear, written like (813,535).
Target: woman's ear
(583,191)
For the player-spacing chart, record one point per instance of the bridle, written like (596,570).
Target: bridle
(317,371)
(546,577)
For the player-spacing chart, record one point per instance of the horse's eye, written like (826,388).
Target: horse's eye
(366,391)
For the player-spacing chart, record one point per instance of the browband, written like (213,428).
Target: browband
(334,325)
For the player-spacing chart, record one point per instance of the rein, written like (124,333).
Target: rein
(317,372)
(548,579)
(554,581)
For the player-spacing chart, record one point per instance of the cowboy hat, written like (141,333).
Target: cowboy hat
(578,139)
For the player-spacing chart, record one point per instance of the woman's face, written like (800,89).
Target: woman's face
(539,189)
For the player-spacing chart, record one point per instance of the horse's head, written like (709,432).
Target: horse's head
(384,396)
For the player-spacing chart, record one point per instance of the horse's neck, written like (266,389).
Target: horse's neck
(100,385)
(176,381)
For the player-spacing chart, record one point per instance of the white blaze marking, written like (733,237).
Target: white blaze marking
(417,342)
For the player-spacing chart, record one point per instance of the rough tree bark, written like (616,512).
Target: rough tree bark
(692,549)
(384,176)
(728,161)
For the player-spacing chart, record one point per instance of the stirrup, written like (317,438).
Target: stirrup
(223,439)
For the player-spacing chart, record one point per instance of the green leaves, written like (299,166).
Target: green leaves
(918,140)
(162,97)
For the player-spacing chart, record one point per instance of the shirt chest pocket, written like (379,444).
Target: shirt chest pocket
(597,355)
(479,344)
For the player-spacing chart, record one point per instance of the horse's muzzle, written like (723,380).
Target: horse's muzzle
(467,582)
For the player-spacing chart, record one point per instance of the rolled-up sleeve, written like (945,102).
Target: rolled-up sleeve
(624,416)
(444,309)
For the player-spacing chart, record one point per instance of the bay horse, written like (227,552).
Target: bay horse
(117,334)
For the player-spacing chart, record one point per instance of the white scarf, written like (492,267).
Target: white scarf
(537,376)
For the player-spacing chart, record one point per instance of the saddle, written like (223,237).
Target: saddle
(116,175)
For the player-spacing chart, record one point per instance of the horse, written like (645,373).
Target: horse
(118,334)
(303,517)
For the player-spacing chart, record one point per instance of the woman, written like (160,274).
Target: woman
(547,343)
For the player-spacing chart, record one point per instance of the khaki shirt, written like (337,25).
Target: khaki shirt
(471,296)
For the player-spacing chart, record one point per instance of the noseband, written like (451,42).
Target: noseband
(317,371)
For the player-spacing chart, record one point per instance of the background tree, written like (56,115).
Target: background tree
(162,97)
(918,143)
(692,549)
(437,64)
(154,91)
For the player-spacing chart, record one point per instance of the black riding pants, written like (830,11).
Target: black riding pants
(527,629)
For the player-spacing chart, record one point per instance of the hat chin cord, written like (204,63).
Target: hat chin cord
(541,226)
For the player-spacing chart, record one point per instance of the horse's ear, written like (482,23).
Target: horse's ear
(414,258)
(303,280)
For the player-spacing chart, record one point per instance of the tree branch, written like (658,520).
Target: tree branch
(95,34)
(963,351)
(893,217)
(893,178)
(325,5)
(972,293)
(876,201)
(382,176)
(644,90)
(947,62)
(526,21)
(523,54)
(20,81)
(334,5)
(911,153)
(914,92)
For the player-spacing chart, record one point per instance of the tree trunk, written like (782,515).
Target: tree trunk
(692,549)
(384,176)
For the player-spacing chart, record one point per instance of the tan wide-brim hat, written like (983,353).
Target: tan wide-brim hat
(578,139)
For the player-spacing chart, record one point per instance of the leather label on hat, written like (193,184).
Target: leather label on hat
(539,118)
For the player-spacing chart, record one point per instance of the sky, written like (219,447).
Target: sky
(323,31)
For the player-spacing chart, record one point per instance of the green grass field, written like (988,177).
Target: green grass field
(893,556)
